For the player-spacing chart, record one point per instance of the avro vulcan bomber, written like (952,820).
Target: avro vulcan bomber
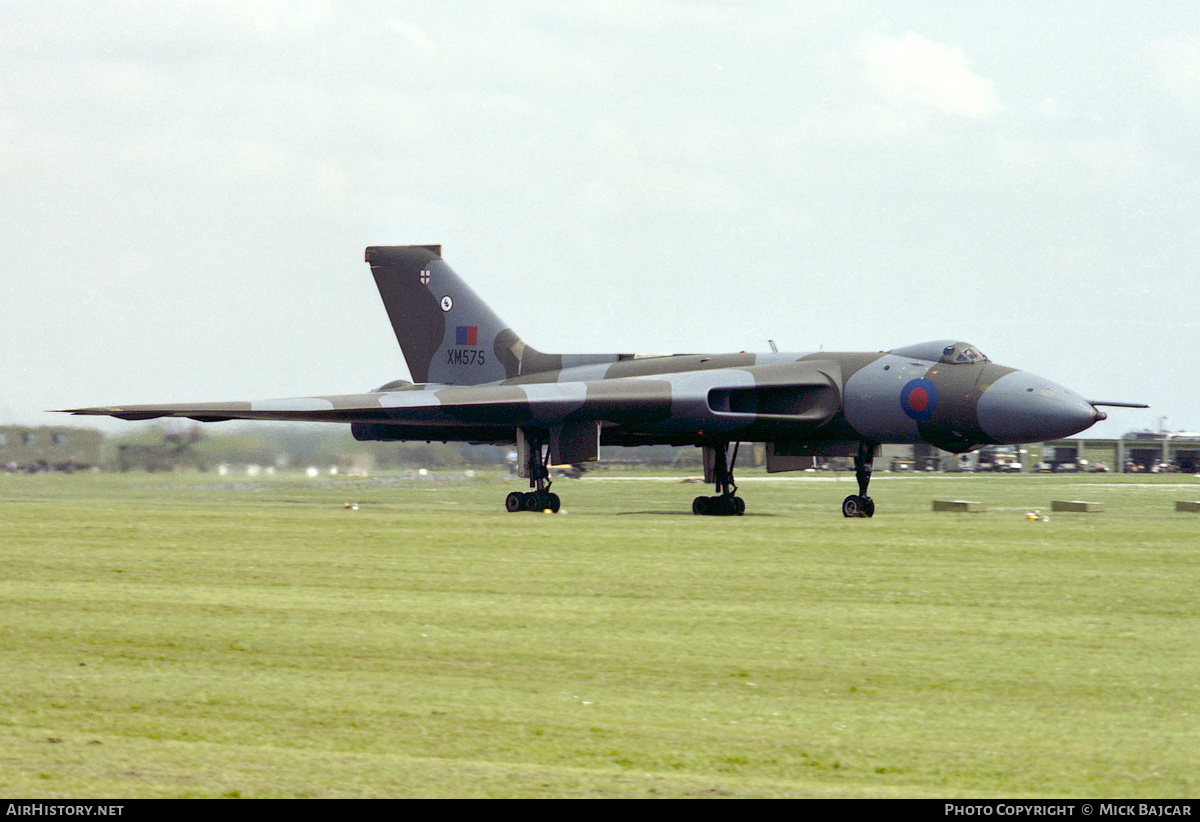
(475,380)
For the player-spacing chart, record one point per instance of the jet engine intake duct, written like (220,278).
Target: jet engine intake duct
(796,401)
(786,392)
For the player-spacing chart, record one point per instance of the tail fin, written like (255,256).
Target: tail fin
(448,335)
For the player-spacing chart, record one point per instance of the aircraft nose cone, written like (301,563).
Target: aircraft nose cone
(1022,407)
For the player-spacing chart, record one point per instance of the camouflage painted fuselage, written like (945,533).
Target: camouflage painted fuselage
(477,381)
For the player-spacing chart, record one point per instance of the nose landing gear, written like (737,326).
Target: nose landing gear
(860,505)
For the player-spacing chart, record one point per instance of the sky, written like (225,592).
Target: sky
(187,188)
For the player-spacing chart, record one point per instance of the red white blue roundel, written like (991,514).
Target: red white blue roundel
(919,399)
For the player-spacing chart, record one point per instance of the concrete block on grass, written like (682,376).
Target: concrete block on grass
(958,505)
(1076,505)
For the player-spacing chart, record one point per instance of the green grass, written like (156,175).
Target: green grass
(189,635)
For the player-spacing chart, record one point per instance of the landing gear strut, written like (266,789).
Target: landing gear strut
(536,456)
(727,504)
(860,505)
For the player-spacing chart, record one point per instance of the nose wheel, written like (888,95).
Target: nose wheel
(857,506)
(860,505)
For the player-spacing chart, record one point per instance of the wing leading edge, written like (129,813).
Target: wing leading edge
(690,407)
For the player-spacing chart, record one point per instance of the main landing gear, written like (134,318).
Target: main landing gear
(860,505)
(536,458)
(719,471)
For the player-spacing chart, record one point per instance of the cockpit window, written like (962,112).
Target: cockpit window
(962,352)
(946,351)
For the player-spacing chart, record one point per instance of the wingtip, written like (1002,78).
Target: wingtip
(110,411)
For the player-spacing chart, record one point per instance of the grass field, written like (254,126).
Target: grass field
(191,635)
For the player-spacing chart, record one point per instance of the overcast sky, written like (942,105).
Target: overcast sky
(187,187)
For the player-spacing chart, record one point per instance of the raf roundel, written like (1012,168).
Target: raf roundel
(919,399)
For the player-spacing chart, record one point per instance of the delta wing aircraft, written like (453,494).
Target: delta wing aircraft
(475,380)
